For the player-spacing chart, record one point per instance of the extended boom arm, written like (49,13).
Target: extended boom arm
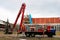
(20,12)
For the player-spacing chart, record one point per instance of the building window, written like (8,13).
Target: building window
(57,27)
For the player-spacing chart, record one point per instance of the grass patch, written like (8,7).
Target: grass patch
(32,38)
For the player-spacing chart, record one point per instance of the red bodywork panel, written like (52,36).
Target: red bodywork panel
(48,28)
(41,30)
(20,12)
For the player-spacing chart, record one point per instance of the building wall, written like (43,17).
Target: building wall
(45,20)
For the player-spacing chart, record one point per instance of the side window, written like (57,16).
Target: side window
(38,27)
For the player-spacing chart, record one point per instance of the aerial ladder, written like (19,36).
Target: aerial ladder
(21,11)
(49,31)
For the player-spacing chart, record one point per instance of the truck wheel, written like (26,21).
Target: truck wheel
(50,35)
(32,35)
(27,35)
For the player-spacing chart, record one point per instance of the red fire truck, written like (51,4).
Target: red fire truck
(32,29)
(37,29)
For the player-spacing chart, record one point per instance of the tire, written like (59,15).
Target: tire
(32,35)
(50,35)
(27,35)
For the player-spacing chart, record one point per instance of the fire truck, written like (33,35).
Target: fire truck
(38,29)
(31,29)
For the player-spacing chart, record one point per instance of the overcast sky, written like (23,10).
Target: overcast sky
(37,8)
